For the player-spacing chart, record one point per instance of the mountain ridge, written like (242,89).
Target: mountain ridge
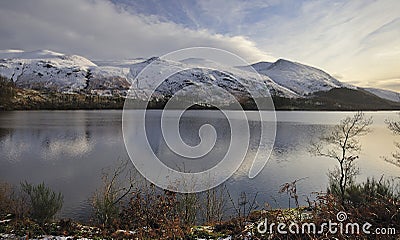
(73,74)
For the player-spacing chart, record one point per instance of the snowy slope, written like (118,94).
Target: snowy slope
(188,73)
(56,71)
(48,70)
(70,73)
(299,78)
(251,75)
(385,94)
(44,69)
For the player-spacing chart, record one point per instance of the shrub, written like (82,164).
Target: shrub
(12,202)
(44,202)
(106,201)
(106,210)
(153,213)
(187,206)
(371,190)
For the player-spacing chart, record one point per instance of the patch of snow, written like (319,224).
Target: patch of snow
(110,71)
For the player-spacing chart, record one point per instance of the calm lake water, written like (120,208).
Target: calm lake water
(68,150)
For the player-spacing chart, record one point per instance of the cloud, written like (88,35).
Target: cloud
(101,30)
(232,16)
(389,84)
(353,39)
(357,40)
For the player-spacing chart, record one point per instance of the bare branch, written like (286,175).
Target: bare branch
(341,144)
(394,126)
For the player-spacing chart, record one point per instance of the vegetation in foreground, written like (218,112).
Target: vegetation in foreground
(127,206)
(155,214)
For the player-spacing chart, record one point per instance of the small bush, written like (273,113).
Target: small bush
(153,213)
(107,200)
(371,190)
(105,208)
(45,203)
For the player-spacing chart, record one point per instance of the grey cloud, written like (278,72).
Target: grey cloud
(100,29)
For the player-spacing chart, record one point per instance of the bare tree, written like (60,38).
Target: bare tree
(394,126)
(342,144)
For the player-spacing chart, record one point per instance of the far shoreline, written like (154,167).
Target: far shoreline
(202,109)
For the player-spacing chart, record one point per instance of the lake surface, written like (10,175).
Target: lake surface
(68,150)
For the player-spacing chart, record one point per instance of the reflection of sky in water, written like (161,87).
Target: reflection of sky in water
(68,149)
(189,126)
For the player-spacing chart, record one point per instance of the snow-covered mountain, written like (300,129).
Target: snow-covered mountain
(48,70)
(299,78)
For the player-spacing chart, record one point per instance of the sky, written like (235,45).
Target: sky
(357,42)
